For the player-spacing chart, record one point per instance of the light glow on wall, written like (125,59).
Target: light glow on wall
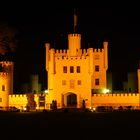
(45,91)
(106,91)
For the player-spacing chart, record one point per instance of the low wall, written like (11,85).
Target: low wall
(118,99)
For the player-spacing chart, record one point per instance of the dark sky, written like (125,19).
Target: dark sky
(120,26)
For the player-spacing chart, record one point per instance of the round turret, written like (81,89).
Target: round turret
(6,82)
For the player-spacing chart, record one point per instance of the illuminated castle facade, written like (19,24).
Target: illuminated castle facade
(76,78)
(75,74)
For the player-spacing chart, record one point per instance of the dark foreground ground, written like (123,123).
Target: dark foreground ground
(69,125)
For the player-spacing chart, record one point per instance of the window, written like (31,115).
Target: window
(97,82)
(72,84)
(3,87)
(95,91)
(63,82)
(96,56)
(42,104)
(96,68)
(78,69)
(71,69)
(41,98)
(79,82)
(0,99)
(64,69)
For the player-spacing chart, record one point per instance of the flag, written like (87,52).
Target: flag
(75,20)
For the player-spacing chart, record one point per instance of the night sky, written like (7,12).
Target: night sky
(119,26)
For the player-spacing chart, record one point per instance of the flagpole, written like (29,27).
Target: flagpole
(75,21)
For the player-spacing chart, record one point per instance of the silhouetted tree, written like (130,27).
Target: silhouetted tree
(31,102)
(8,39)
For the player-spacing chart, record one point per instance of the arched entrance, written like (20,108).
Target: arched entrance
(71,100)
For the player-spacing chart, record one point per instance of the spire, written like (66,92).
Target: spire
(75,21)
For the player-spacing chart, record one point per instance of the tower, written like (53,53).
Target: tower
(6,82)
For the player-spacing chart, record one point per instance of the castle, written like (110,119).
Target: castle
(75,74)
(77,78)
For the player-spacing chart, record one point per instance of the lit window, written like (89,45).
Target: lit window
(3,87)
(97,82)
(79,82)
(78,69)
(64,69)
(71,69)
(96,68)
(63,82)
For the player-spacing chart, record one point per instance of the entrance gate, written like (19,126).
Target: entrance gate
(72,100)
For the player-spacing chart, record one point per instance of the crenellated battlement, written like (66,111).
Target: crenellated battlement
(21,95)
(98,50)
(6,63)
(6,67)
(3,73)
(81,53)
(61,52)
(116,95)
(17,95)
(116,99)
(74,35)
(65,52)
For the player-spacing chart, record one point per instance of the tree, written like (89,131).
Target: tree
(31,102)
(8,39)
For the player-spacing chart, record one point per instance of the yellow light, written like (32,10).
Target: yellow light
(24,108)
(93,109)
(46,91)
(106,91)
